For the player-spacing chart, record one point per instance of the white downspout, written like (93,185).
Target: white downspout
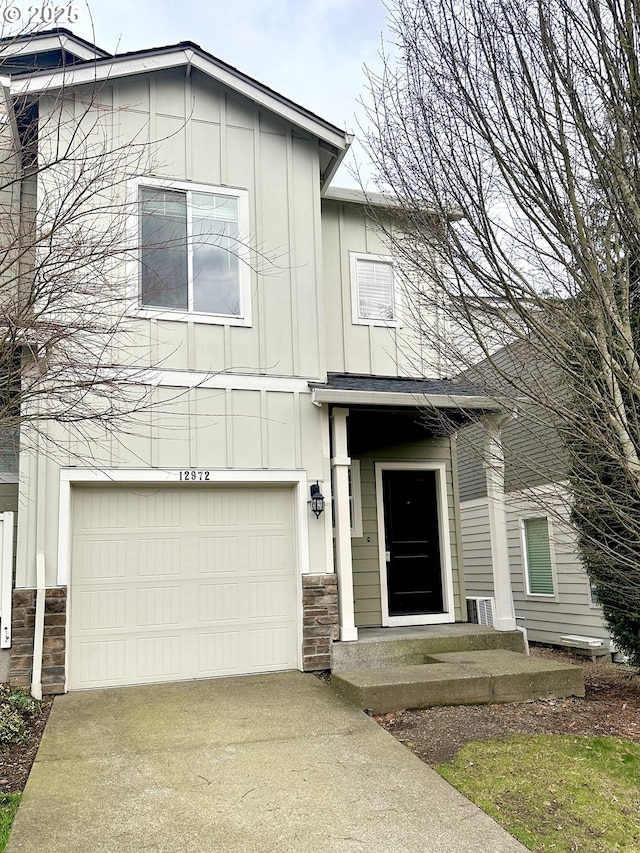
(41,580)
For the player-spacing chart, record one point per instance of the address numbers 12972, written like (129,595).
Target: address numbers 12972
(194,476)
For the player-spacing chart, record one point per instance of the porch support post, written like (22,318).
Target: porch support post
(340,463)
(504,618)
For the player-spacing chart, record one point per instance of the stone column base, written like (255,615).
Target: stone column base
(54,645)
(319,620)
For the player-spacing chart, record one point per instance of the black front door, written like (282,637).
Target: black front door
(414,571)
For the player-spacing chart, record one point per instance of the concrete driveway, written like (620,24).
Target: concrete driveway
(255,764)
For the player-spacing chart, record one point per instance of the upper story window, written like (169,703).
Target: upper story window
(537,556)
(193,252)
(374,290)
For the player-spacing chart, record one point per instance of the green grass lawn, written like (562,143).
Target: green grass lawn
(556,792)
(8,808)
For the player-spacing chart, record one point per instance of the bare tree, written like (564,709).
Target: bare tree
(68,257)
(517,124)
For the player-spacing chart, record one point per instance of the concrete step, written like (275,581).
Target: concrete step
(459,678)
(376,649)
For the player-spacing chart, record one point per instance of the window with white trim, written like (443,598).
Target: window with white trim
(193,258)
(374,291)
(537,556)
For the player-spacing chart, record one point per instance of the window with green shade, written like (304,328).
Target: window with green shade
(537,552)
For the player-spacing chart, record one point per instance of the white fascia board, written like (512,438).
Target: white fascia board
(399,399)
(347,195)
(103,71)
(354,196)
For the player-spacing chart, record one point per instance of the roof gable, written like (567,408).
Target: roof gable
(188,55)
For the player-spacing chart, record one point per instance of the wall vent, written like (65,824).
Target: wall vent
(480,611)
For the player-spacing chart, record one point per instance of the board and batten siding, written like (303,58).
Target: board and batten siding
(546,618)
(366,563)
(187,127)
(368,349)
(199,428)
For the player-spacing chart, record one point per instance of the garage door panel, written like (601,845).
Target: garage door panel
(158,606)
(218,602)
(102,609)
(217,555)
(268,553)
(268,599)
(218,653)
(100,512)
(268,646)
(215,594)
(218,509)
(101,662)
(158,557)
(158,658)
(104,558)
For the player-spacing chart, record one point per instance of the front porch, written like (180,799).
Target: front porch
(389,669)
(394,496)
(404,641)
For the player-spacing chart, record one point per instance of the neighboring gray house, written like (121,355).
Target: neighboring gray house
(270,330)
(551,591)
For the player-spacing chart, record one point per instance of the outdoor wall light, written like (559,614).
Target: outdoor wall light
(317,500)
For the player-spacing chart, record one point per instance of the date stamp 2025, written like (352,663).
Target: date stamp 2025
(33,15)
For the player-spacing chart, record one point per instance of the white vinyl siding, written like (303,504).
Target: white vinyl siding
(374,295)
(546,617)
(537,553)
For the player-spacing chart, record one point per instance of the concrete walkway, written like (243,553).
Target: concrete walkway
(253,765)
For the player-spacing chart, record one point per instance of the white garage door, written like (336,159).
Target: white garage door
(172,583)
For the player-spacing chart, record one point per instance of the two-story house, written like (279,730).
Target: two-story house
(285,486)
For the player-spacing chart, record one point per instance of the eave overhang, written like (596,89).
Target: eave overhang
(347,195)
(459,402)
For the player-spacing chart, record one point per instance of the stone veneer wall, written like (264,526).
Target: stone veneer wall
(319,620)
(53,652)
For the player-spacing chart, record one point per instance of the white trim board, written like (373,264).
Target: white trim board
(222,381)
(445,545)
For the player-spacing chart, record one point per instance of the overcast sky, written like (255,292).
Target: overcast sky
(311,51)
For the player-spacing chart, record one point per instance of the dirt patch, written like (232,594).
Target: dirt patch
(16,758)
(611,707)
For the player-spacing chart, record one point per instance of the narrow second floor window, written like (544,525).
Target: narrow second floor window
(190,251)
(374,290)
